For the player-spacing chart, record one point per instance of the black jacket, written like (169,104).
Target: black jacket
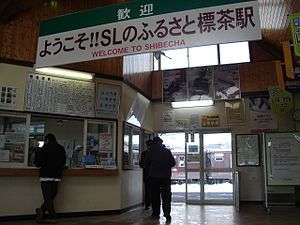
(159,160)
(51,159)
(143,165)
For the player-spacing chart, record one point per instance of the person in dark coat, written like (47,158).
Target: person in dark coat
(146,180)
(51,160)
(160,161)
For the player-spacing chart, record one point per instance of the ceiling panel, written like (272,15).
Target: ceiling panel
(274,19)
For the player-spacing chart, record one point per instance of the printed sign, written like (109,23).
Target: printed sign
(261,117)
(58,95)
(281,100)
(8,97)
(145,26)
(295,25)
(210,121)
(235,112)
(108,100)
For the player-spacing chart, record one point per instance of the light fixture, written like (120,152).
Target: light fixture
(58,72)
(189,104)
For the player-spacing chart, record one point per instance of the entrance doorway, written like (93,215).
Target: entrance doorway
(203,173)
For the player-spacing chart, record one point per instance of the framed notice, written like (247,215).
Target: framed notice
(108,100)
(48,94)
(247,150)
(8,96)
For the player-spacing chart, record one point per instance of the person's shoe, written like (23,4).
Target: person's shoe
(39,215)
(168,218)
(52,221)
(155,217)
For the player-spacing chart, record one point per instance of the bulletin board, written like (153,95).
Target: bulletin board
(282,155)
(49,94)
(247,150)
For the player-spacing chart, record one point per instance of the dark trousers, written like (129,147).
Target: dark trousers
(49,190)
(147,193)
(161,190)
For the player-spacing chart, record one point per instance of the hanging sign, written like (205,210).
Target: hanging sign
(145,26)
(281,101)
(295,25)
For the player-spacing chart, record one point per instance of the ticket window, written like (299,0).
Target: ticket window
(68,132)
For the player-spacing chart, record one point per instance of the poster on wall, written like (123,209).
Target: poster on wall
(281,101)
(235,112)
(247,150)
(108,98)
(261,117)
(227,82)
(283,156)
(174,85)
(8,97)
(167,120)
(49,94)
(210,121)
(199,83)
(182,124)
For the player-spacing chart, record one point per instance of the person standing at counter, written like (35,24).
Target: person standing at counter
(160,161)
(146,181)
(51,160)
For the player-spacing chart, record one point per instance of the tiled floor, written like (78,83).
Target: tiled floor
(192,215)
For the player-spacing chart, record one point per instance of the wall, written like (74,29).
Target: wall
(252,182)
(137,71)
(15,76)
(132,180)
(21,195)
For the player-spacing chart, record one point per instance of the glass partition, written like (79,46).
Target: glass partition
(131,146)
(13,140)
(100,147)
(68,132)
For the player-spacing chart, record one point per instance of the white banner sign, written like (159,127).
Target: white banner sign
(189,28)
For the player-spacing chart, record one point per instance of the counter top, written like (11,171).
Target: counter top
(30,172)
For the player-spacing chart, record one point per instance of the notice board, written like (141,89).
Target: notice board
(47,94)
(282,153)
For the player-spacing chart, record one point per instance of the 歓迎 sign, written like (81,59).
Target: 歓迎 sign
(145,26)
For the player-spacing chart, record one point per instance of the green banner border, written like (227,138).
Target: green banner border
(108,14)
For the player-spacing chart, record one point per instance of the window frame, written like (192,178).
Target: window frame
(130,165)
(159,61)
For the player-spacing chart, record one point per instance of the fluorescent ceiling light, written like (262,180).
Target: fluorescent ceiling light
(58,72)
(189,104)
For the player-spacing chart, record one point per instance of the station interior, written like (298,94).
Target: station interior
(217,81)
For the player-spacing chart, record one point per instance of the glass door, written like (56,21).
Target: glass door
(208,169)
(218,172)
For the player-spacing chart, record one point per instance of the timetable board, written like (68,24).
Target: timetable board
(49,94)
(282,151)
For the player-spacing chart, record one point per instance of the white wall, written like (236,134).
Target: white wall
(15,76)
(21,195)
(252,181)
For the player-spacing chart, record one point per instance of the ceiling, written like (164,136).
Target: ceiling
(273,13)
(274,19)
